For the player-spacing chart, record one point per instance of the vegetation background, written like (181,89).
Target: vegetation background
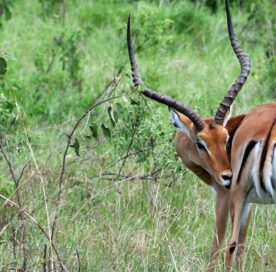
(89,178)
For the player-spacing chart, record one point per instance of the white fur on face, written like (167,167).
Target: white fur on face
(178,124)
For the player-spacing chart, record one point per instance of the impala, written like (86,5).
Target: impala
(202,144)
(253,160)
(188,152)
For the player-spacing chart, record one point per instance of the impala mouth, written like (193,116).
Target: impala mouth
(227,184)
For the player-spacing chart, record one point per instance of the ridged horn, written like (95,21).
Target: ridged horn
(166,100)
(245,71)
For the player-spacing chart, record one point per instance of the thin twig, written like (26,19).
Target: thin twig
(4,228)
(79,261)
(117,160)
(134,128)
(14,242)
(20,214)
(45,258)
(49,67)
(114,176)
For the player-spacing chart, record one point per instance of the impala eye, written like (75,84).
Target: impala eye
(200,146)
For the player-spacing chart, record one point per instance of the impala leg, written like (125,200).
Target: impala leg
(222,214)
(237,206)
(243,234)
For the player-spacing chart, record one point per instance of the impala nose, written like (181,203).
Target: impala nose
(226,179)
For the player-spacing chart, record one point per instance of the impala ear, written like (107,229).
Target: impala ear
(228,116)
(234,123)
(182,123)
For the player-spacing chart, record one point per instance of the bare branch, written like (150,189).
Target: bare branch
(134,128)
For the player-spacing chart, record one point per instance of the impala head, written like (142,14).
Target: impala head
(210,138)
(207,146)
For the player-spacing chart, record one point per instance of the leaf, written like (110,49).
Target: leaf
(119,113)
(106,131)
(76,146)
(141,88)
(111,115)
(133,102)
(94,131)
(8,14)
(124,98)
(120,108)
(10,56)
(3,66)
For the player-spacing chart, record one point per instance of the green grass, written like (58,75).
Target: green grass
(145,213)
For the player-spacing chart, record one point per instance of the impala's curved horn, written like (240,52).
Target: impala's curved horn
(245,71)
(166,100)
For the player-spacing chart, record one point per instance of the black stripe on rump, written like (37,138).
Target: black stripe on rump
(263,157)
(247,151)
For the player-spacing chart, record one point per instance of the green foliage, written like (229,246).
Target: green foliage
(269,77)
(51,7)
(189,19)
(3,66)
(8,114)
(56,75)
(5,10)
(140,130)
(154,26)
(111,115)
(262,18)
(94,130)
(106,131)
(128,203)
(76,146)
(7,187)
(70,57)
